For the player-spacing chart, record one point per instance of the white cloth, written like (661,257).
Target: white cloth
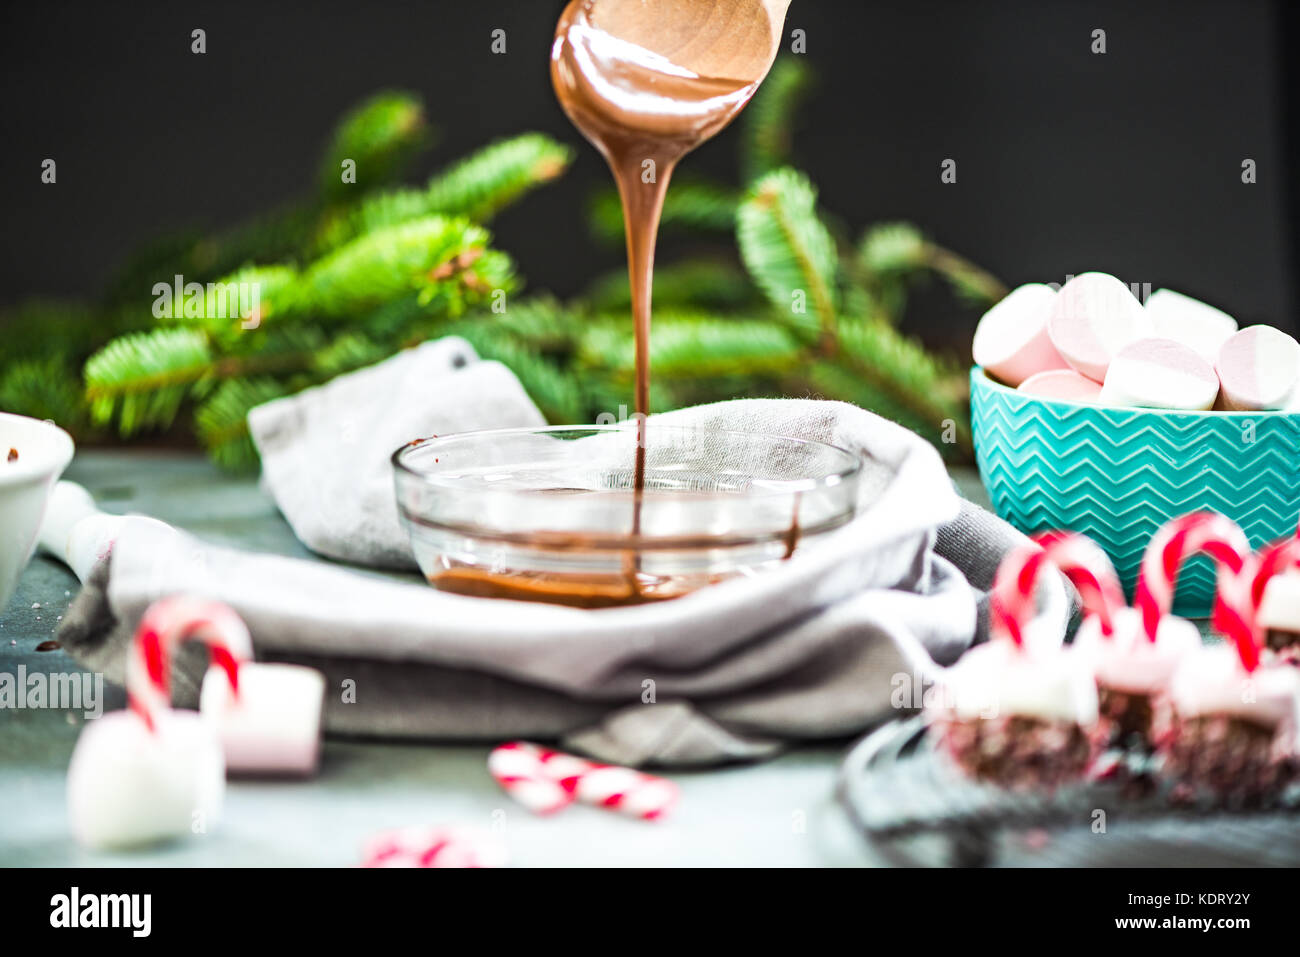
(325,451)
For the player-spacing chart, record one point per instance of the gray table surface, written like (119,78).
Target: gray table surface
(782,812)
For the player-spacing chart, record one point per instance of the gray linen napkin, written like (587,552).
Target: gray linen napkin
(325,450)
(815,648)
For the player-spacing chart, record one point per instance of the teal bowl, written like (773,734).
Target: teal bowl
(1117,475)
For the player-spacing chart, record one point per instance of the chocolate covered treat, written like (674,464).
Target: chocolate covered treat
(1018,717)
(1133,672)
(1231,732)
(1021,710)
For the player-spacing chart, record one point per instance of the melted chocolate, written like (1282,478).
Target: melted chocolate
(576,590)
(643,111)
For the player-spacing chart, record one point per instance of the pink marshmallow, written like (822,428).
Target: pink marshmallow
(1259,368)
(1093,318)
(1062,384)
(1160,374)
(1195,324)
(1011,341)
(273,725)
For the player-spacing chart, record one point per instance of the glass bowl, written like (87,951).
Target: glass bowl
(553,514)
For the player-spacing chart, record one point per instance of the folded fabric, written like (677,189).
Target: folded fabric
(814,648)
(325,451)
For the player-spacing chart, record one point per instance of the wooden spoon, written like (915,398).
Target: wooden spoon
(733,39)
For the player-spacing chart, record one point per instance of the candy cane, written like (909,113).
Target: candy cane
(1011,600)
(1175,542)
(522,774)
(1245,595)
(433,847)
(167,623)
(625,790)
(1273,560)
(1088,568)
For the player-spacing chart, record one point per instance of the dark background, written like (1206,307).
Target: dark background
(1128,162)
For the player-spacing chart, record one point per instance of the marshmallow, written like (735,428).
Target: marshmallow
(1011,341)
(150,773)
(1093,317)
(129,786)
(1259,368)
(1195,324)
(1040,681)
(1280,607)
(1160,374)
(273,725)
(1064,384)
(1128,660)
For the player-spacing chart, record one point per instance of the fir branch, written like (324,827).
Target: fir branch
(233,304)
(40,327)
(766,124)
(691,205)
(222,420)
(44,389)
(380,135)
(444,261)
(891,255)
(788,251)
(970,283)
(553,389)
(477,188)
(483,183)
(904,376)
(142,378)
(694,347)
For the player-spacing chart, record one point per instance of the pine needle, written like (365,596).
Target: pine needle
(380,135)
(788,251)
(477,188)
(222,421)
(767,123)
(144,377)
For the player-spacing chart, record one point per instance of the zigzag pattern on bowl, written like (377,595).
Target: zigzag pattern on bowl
(1117,475)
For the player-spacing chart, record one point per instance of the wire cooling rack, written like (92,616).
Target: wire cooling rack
(915,807)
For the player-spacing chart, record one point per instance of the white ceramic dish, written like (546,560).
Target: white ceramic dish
(44,451)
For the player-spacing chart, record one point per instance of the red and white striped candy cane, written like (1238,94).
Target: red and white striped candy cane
(433,847)
(1011,600)
(1273,560)
(1088,568)
(1179,539)
(165,624)
(1248,589)
(520,770)
(625,790)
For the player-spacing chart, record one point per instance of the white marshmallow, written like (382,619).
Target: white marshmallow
(1093,317)
(1160,374)
(1040,680)
(1259,368)
(1195,324)
(129,786)
(1280,607)
(1063,384)
(273,726)
(1129,661)
(1011,341)
(1214,682)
